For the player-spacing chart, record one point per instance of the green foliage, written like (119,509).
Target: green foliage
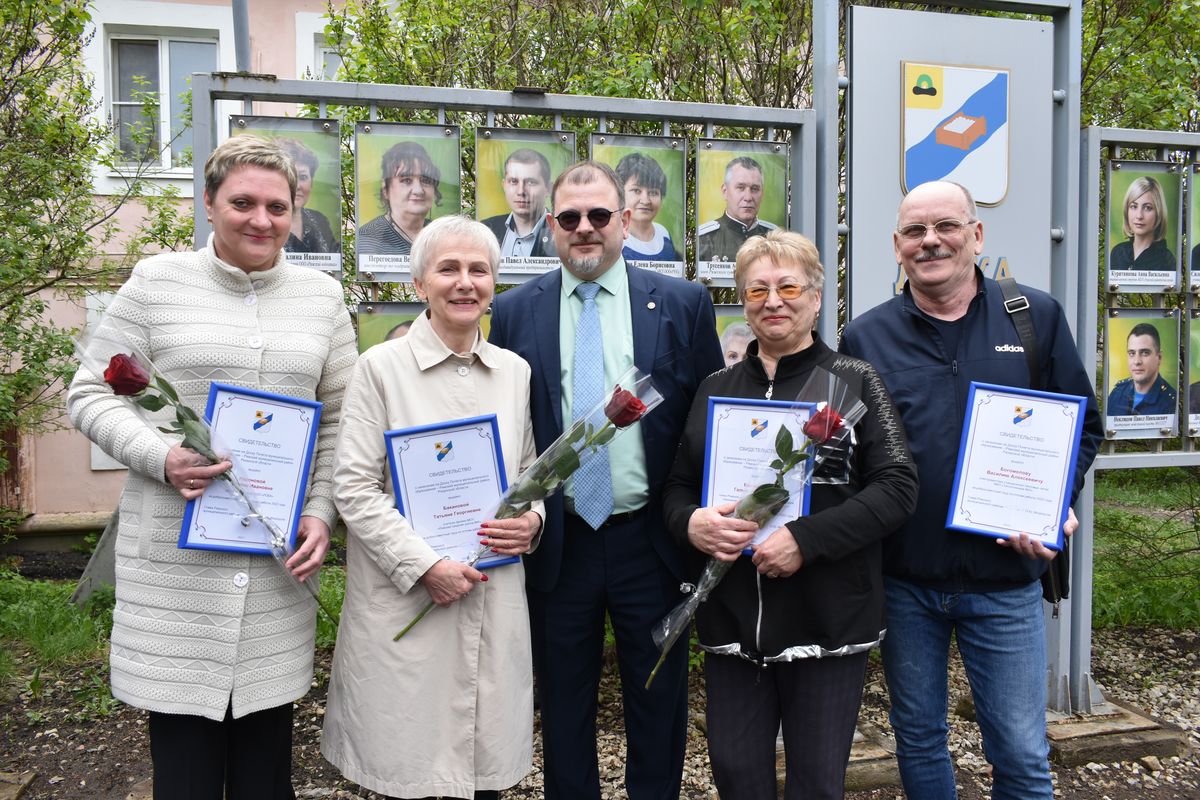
(1147,561)
(36,616)
(1141,64)
(53,231)
(333,592)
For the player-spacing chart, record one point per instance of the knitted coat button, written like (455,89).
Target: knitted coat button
(250,299)
(240,580)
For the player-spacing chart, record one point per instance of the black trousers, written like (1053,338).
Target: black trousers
(236,759)
(817,702)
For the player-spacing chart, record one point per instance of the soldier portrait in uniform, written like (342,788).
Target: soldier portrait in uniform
(741,188)
(1145,391)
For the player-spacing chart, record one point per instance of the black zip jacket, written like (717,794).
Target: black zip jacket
(864,490)
(929,387)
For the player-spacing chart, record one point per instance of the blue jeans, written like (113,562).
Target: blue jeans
(1001,637)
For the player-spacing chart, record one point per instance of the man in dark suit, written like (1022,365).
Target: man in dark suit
(604,547)
(524,231)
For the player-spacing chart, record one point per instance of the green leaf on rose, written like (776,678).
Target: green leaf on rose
(605,436)
(167,388)
(783,443)
(566,464)
(151,402)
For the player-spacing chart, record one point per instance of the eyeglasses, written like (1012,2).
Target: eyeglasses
(787,291)
(598,217)
(944,228)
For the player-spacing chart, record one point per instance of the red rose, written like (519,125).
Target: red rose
(822,425)
(126,375)
(624,408)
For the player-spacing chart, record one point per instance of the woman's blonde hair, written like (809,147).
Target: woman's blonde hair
(247,150)
(1141,186)
(786,248)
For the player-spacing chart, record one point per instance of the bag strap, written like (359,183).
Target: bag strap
(1017,306)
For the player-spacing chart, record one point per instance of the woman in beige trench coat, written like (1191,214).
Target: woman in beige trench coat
(448,710)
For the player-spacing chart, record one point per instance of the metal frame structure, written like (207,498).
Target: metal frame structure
(798,123)
(1085,694)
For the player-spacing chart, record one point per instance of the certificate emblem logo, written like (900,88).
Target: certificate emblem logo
(444,451)
(757,426)
(1021,415)
(955,124)
(262,422)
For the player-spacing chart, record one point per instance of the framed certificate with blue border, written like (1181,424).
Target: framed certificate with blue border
(1016,463)
(270,439)
(739,448)
(448,478)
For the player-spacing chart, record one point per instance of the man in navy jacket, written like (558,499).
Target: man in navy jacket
(947,328)
(626,564)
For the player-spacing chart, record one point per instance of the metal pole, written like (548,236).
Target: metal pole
(825,103)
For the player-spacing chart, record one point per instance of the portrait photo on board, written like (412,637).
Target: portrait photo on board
(741,191)
(383,322)
(1143,224)
(652,170)
(1194,224)
(1141,373)
(1194,374)
(406,176)
(733,332)
(316,236)
(514,170)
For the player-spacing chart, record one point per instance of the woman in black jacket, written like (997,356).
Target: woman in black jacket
(787,632)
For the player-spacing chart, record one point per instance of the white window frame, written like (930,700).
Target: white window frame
(310,44)
(169,105)
(163,21)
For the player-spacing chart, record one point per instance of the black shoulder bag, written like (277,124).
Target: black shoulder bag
(1057,577)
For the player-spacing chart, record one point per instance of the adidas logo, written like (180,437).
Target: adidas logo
(1009,348)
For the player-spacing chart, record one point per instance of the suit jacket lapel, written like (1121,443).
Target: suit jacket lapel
(645,311)
(545,312)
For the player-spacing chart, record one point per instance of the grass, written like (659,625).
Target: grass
(36,617)
(1147,559)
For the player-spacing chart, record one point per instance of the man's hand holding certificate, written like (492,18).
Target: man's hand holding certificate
(1016,465)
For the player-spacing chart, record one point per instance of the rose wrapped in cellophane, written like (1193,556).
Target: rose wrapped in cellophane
(133,376)
(836,412)
(630,399)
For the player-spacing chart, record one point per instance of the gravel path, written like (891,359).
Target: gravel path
(77,753)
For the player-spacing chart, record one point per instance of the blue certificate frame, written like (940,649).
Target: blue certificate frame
(448,478)
(736,460)
(1016,463)
(270,438)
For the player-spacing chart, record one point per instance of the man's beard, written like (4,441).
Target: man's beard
(584,266)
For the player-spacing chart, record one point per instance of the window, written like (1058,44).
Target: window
(329,60)
(150,76)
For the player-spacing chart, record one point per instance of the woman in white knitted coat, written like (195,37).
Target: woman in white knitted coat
(217,645)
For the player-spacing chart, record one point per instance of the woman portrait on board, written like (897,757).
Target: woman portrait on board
(409,191)
(787,632)
(217,645)
(645,183)
(311,231)
(1144,221)
(448,710)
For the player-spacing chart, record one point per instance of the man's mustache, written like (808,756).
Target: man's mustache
(931,255)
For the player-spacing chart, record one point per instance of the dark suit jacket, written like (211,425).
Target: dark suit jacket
(543,245)
(674,340)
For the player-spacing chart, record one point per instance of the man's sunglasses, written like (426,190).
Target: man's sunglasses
(598,217)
